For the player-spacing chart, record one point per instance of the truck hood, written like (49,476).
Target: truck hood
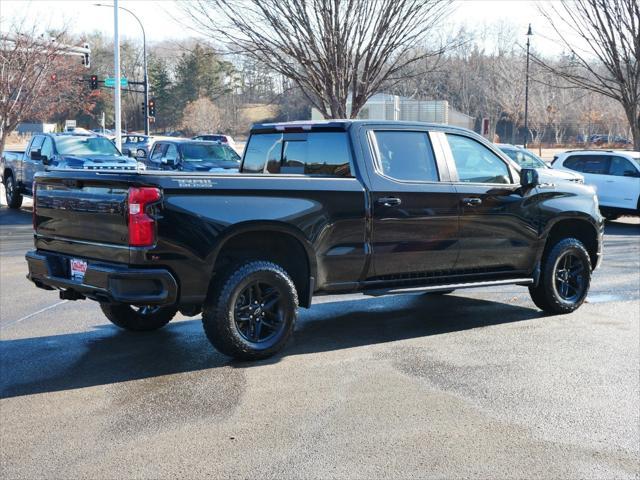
(551,175)
(97,162)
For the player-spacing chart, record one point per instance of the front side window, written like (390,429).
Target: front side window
(172,153)
(158,150)
(621,167)
(406,156)
(36,144)
(524,159)
(47,148)
(316,154)
(85,146)
(476,163)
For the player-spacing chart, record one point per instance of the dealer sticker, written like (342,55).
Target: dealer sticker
(78,269)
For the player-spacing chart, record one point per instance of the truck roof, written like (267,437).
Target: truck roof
(343,124)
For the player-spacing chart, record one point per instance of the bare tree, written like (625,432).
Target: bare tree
(37,77)
(610,32)
(331,49)
(201,116)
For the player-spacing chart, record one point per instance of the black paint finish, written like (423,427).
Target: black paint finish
(356,232)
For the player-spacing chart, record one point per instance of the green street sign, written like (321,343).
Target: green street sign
(111,82)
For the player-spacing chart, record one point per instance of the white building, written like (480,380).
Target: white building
(383,106)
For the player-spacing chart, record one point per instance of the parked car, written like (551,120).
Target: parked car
(525,159)
(615,174)
(317,208)
(57,151)
(217,137)
(193,156)
(137,145)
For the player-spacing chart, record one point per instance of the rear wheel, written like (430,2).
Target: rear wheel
(141,153)
(251,310)
(12,193)
(565,278)
(142,318)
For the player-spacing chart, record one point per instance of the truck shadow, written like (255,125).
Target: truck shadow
(108,355)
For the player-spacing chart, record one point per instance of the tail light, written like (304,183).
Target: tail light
(33,209)
(142,227)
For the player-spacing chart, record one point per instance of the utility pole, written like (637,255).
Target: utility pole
(116,64)
(526,93)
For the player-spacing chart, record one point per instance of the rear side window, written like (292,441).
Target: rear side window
(324,154)
(406,156)
(594,164)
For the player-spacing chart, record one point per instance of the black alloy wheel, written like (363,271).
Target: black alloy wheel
(569,277)
(258,312)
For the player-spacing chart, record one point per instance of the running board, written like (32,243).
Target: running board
(449,286)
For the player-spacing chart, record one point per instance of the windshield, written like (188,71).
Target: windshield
(525,159)
(209,153)
(86,146)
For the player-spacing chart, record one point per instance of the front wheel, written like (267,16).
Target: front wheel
(12,193)
(138,318)
(251,310)
(564,279)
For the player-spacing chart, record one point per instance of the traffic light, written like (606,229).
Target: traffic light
(54,77)
(152,107)
(94,82)
(143,108)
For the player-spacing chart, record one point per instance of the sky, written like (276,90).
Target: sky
(161,17)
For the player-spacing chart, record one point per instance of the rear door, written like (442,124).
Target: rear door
(498,230)
(414,209)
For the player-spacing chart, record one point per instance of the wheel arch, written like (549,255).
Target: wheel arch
(272,241)
(580,228)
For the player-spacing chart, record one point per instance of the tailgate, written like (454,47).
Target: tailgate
(85,211)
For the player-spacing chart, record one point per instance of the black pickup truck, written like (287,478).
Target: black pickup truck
(317,208)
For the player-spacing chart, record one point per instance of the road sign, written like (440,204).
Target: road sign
(111,82)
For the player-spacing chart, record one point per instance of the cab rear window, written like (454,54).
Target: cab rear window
(325,154)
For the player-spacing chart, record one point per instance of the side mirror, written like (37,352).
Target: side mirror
(35,155)
(45,160)
(529,177)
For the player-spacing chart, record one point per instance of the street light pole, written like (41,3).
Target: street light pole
(116,66)
(526,92)
(144,61)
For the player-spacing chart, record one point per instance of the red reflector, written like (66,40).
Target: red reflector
(142,227)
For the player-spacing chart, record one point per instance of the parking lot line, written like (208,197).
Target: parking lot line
(33,314)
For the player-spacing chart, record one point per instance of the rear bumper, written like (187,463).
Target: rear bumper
(105,282)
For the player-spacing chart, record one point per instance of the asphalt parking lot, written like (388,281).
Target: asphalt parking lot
(474,384)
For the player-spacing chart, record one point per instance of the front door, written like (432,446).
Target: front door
(415,215)
(30,166)
(498,231)
(623,183)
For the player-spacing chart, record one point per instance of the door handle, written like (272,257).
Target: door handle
(471,202)
(389,201)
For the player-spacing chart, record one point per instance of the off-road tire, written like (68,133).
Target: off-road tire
(135,319)
(219,310)
(12,195)
(545,295)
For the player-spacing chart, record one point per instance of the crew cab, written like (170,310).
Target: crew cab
(317,208)
(53,151)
